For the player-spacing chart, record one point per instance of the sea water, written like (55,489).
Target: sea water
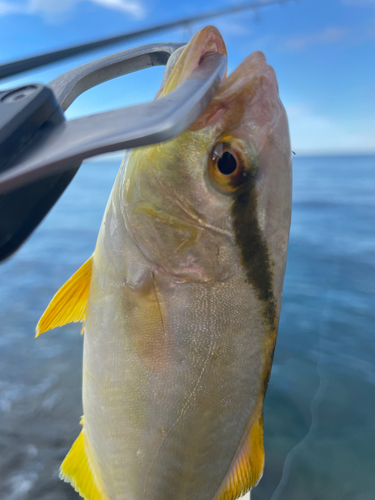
(319,410)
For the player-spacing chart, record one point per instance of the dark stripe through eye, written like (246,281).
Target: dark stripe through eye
(227,163)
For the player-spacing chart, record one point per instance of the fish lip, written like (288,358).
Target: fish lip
(254,66)
(188,58)
(253,85)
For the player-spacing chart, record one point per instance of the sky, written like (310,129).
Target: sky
(323,52)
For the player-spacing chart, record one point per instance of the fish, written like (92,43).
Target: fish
(181,298)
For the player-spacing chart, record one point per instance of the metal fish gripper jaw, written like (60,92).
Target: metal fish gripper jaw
(40,151)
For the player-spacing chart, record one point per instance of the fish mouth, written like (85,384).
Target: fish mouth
(248,95)
(186,60)
(253,80)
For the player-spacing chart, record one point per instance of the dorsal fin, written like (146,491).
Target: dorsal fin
(70,302)
(248,468)
(77,470)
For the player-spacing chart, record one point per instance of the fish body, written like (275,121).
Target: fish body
(181,299)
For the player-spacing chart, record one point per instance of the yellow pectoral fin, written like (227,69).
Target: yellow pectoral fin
(248,468)
(77,470)
(70,302)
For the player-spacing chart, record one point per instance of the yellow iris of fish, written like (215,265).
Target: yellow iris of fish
(181,299)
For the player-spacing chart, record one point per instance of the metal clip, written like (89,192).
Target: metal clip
(40,151)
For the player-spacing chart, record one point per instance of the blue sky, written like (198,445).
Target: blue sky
(323,52)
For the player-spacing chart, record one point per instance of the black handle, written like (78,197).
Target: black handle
(23,111)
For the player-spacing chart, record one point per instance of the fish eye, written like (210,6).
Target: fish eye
(230,166)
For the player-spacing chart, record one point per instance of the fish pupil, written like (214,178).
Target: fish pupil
(227,163)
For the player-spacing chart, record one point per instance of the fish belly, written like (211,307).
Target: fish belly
(171,385)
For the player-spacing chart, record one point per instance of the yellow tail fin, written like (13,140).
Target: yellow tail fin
(248,468)
(76,470)
(70,302)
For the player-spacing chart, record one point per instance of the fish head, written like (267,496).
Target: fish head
(205,205)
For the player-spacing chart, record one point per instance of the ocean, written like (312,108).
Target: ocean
(319,423)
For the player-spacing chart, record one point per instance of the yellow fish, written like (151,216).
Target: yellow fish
(181,299)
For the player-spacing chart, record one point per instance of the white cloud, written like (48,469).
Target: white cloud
(48,7)
(330,34)
(52,9)
(7,8)
(133,7)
